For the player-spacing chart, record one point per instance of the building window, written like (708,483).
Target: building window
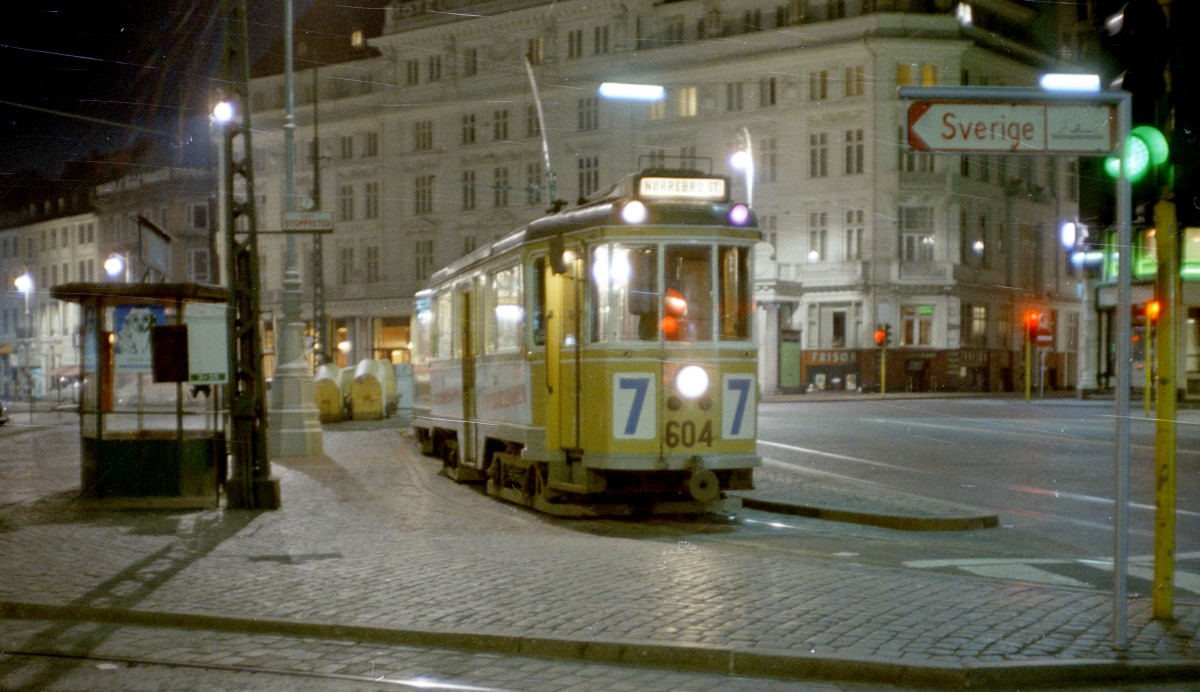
(733,96)
(199,220)
(818,229)
(468,190)
(198,266)
(768,160)
(470,62)
(423,135)
(818,155)
(371,144)
(818,85)
(533,183)
(423,259)
(533,125)
(687,157)
(468,128)
(916,73)
(854,151)
(345,265)
(589,175)
(574,44)
(686,102)
(916,325)
(600,40)
(766,92)
(371,201)
(975,318)
(854,235)
(855,81)
(413,72)
(500,187)
(371,273)
(588,114)
(435,68)
(423,194)
(500,125)
(533,51)
(912,161)
(658,111)
(346,203)
(916,234)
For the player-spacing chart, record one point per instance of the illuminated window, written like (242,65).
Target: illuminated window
(686,101)
(506,311)
(1190,258)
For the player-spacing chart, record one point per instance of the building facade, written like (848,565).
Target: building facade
(154,226)
(433,145)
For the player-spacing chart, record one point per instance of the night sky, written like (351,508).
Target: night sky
(80,78)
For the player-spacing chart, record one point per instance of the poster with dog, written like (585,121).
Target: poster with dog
(133,325)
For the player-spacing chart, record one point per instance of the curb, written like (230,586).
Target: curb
(887,521)
(680,657)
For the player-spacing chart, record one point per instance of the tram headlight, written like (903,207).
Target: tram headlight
(691,381)
(634,213)
(739,215)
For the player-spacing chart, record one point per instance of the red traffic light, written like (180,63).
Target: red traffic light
(883,335)
(1032,319)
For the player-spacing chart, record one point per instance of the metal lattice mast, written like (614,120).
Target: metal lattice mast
(251,486)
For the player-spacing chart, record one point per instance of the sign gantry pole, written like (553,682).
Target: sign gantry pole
(1016,120)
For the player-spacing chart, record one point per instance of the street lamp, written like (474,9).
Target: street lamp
(114,266)
(24,284)
(743,160)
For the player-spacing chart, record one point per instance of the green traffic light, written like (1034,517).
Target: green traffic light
(1145,147)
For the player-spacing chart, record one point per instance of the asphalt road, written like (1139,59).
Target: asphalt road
(1046,468)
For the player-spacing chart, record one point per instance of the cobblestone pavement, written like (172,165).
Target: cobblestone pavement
(371,549)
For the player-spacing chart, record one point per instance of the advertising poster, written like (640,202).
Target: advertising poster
(133,324)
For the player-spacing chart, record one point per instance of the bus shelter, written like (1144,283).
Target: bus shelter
(153,359)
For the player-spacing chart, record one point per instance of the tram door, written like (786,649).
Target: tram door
(563,302)
(466,452)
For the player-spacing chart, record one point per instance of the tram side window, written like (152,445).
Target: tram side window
(737,293)
(506,314)
(444,325)
(625,292)
(688,301)
(538,297)
(422,333)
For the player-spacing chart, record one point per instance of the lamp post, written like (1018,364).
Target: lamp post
(294,427)
(24,284)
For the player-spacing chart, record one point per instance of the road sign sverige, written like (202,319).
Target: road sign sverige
(307,221)
(1028,128)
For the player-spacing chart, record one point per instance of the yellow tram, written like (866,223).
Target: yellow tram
(599,360)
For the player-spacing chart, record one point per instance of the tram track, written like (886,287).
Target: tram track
(114,665)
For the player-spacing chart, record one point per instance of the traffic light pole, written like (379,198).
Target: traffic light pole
(1166,237)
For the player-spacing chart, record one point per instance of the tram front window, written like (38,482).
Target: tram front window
(624,292)
(688,302)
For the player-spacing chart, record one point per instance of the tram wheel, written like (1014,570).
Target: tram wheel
(450,454)
(704,486)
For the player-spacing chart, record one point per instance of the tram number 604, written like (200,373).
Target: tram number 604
(684,433)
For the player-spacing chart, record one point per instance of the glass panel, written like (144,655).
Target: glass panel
(538,297)
(444,325)
(1189,262)
(688,301)
(507,313)
(624,280)
(737,293)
